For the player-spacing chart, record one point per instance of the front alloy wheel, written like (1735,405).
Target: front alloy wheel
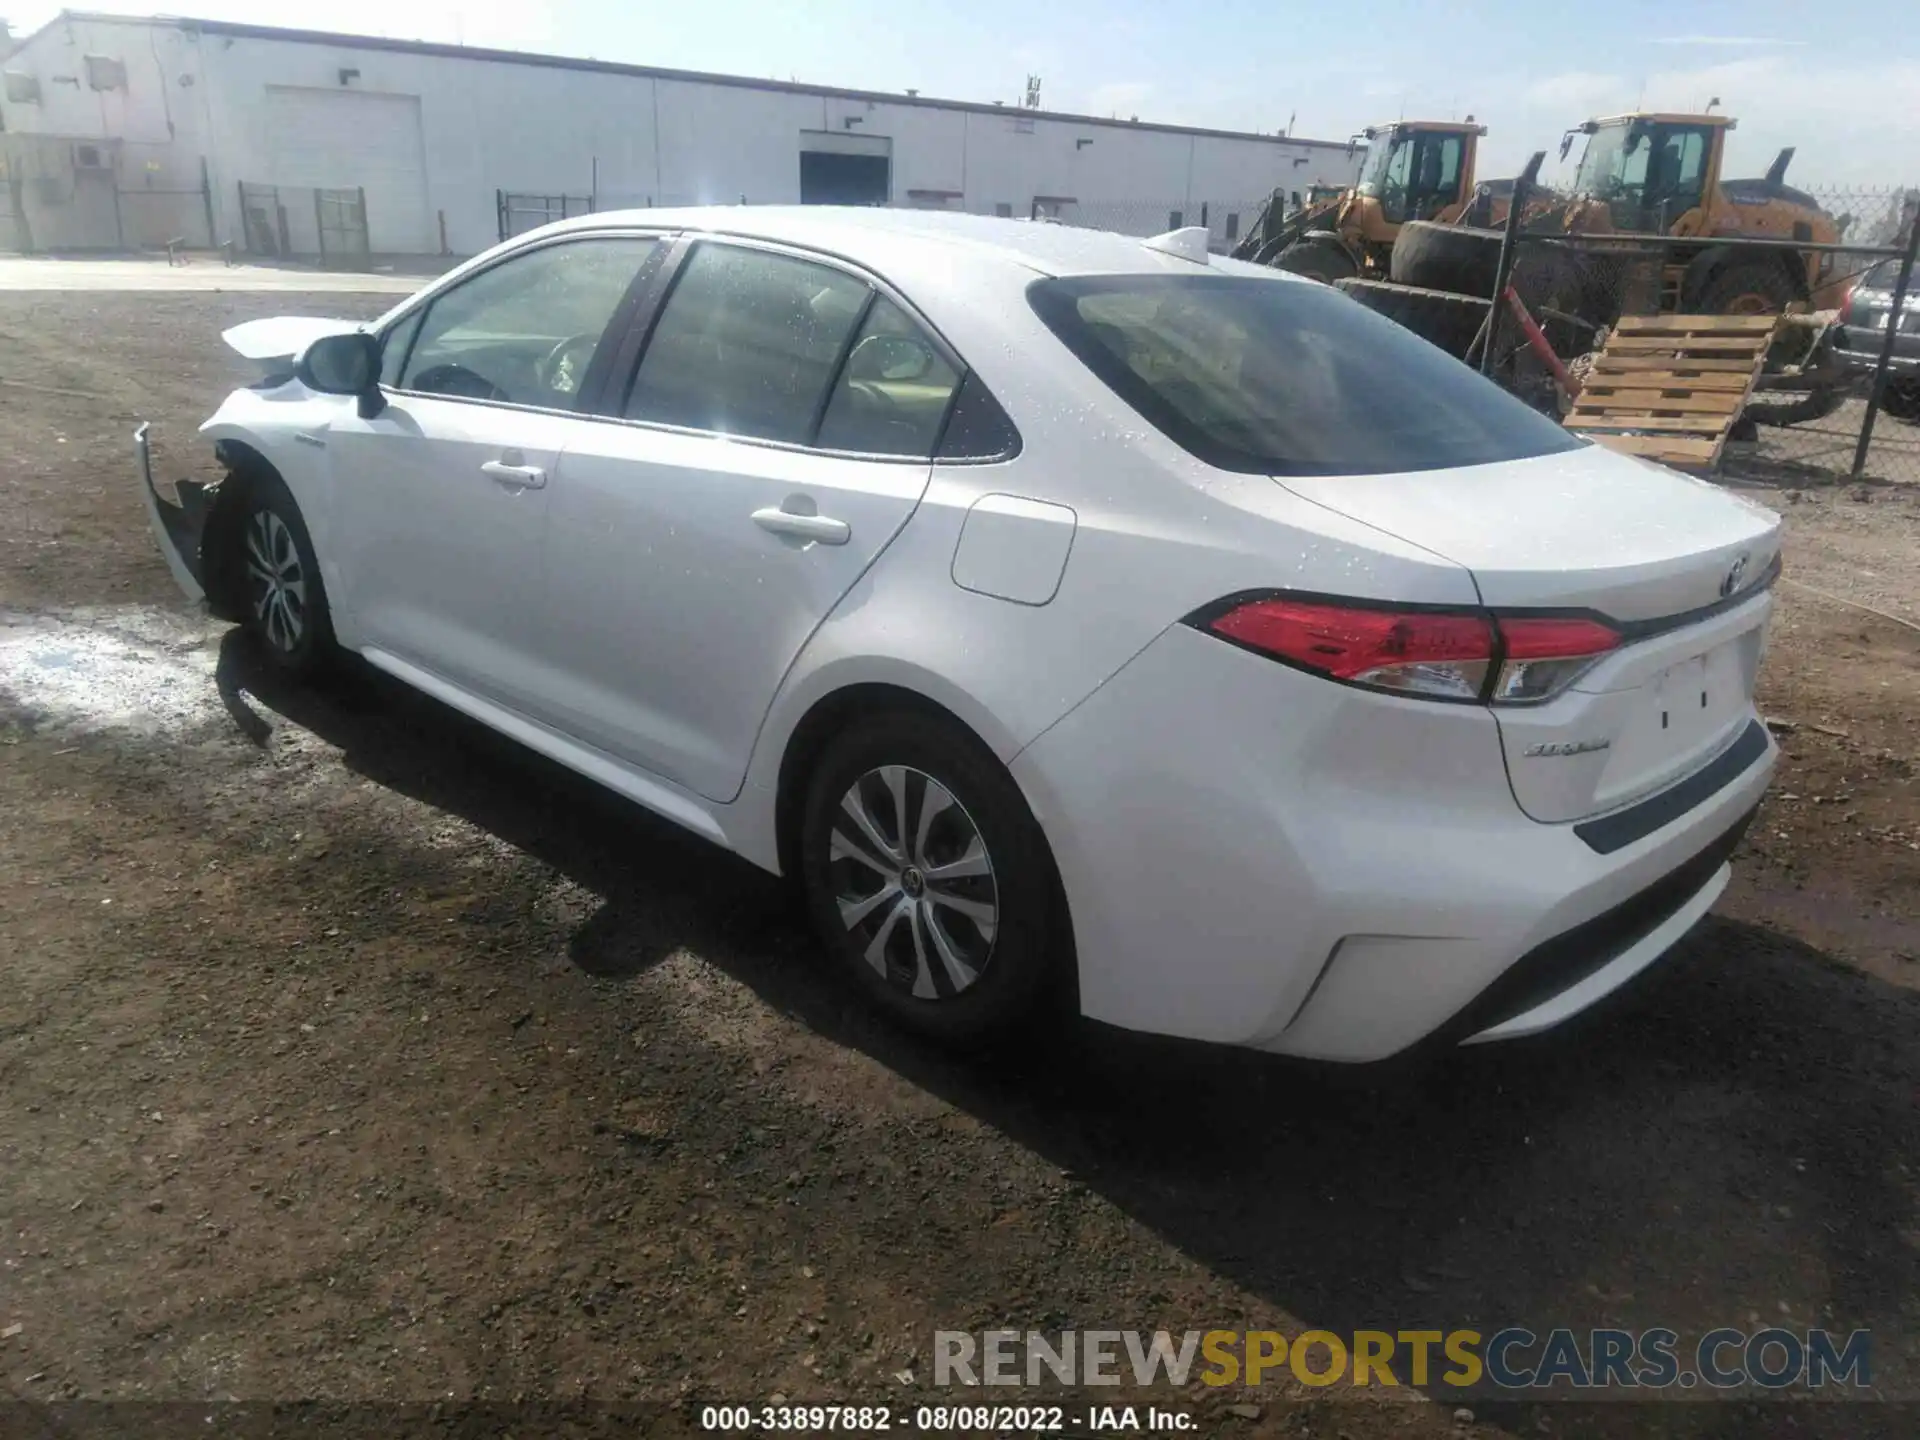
(272,581)
(276,582)
(913,882)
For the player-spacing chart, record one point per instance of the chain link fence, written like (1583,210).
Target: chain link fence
(305,222)
(1224,220)
(1839,394)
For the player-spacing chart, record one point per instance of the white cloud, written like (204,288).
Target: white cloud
(1729,40)
(1576,91)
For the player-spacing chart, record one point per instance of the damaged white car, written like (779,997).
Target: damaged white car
(1071,615)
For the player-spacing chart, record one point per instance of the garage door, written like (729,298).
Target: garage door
(343,138)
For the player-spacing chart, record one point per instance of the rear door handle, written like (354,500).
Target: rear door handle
(823,528)
(518,477)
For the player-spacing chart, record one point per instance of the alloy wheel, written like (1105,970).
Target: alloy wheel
(913,882)
(276,581)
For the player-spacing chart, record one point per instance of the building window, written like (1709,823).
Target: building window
(105,73)
(1004,210)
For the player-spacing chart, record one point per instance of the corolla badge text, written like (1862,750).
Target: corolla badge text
(1566,747)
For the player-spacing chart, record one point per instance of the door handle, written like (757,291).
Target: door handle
(518,477)
(823,528)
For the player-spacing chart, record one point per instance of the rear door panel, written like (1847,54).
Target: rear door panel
(672,613)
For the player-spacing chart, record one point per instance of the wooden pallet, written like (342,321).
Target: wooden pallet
(1669,387)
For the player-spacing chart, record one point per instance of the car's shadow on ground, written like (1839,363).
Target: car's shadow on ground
(1738,1135)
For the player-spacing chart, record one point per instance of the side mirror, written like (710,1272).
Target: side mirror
(890,357)
(1566,144)
(345,365)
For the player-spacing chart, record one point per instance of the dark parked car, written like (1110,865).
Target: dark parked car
(1863,327)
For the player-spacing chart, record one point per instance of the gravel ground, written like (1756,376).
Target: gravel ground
(348,1053)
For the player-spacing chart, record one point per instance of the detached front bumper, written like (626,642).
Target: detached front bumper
(177,527)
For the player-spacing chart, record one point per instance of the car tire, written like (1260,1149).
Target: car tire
(1901,400)
(284,600)
(965,959)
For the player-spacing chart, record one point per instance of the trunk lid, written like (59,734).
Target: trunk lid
(1677,564)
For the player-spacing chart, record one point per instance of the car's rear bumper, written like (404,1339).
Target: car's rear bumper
(1313,869)
(1858,350)
(176,527)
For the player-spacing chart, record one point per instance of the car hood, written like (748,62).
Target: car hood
(283,337)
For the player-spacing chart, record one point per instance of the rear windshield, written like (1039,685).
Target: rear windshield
(1286,378)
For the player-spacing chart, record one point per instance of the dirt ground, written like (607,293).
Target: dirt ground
(348,1053)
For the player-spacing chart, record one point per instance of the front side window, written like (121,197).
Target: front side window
(393,349)
(1286,378)
(749,343)
(523,332)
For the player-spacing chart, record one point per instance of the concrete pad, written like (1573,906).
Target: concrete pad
(202,272)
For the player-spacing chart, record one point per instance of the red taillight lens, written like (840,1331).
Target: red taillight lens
(1436,654)
(1846,305)
(1444,655)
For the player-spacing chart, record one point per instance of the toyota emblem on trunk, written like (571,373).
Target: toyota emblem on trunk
(1734,575)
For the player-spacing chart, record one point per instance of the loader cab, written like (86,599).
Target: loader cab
(1419,170)
(1653,174)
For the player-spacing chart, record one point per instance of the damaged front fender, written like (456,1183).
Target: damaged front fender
(193,530)
(178,526)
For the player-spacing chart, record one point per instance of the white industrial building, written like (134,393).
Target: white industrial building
(134,132)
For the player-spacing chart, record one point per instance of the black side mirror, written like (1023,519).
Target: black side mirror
(345,365)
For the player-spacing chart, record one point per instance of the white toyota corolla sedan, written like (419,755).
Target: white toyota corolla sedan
(1068,613)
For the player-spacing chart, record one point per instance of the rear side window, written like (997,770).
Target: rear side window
(893,392)
(1286,378)
(748,344)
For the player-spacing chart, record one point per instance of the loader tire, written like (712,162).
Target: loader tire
(1446,320)
(1757,287)
(1457,258)
(1321,260)
(1773,408)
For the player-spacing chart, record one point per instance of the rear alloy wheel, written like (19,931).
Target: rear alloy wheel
(928,879)
(286,604)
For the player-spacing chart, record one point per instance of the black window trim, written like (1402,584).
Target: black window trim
(618,324)
(633,351)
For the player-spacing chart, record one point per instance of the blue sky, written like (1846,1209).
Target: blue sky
(1840,79)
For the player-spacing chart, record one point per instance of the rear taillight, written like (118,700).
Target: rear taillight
(1429,654)
(1439,654)
(1846,305)
(1541,655)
